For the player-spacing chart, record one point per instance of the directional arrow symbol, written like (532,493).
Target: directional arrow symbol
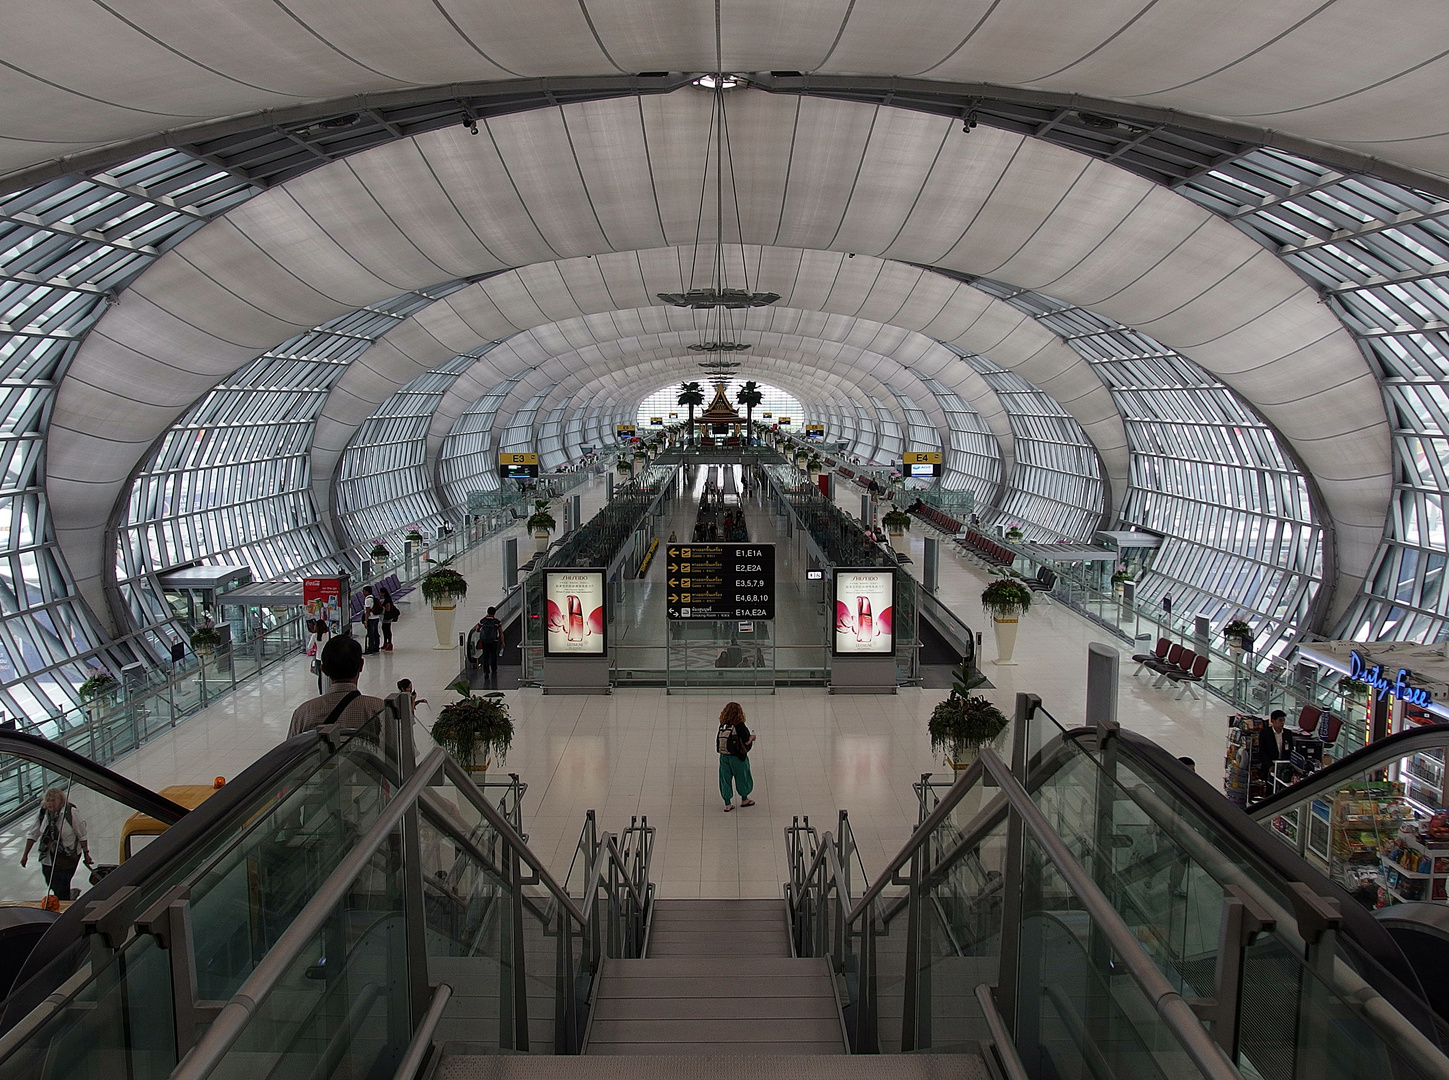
(673,583)
(673,568)
(673,599)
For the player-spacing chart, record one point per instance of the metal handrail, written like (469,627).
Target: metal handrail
(464,783)
(1011,1062)
(921,835)
(1170,1005)
(1355,991)
(237,1013)
(423,1038)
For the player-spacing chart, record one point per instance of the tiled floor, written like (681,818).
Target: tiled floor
(643,752)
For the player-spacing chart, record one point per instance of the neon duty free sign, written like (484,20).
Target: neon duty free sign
(1359,669)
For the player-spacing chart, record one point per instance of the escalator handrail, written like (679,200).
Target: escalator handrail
(238,1012)
(62,759)
(1377,753)
(153,859)
(1277,859)
(244,1005)
(1169,1004)
(921,835)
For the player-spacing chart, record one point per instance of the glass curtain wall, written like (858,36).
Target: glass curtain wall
(973,463)
(1241,536)
(921,434)
(68,247)
(1379,253)
(890,439)
(773,400)
(384,486)
(1055,492)
(551,453)
(231,480)
(468,462)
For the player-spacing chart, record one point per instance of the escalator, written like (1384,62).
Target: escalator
(1341,818)
(331,912)
(1096,910)
(1089,912)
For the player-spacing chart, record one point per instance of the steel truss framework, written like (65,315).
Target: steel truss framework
(77,234)
(1241,535)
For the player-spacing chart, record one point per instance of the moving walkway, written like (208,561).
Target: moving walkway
(357,911)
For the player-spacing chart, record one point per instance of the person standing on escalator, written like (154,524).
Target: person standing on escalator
(61,833)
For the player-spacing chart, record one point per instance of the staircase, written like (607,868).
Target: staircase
(719,997)
(719,979)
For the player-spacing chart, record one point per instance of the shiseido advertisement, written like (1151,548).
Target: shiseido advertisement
(575,600)
(865,602)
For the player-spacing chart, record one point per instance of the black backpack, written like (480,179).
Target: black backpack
(489,631)
(50,837)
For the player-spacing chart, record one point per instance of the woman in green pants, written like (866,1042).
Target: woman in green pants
(733,743)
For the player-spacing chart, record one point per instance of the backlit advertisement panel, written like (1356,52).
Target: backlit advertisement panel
(576,620)
(865,603)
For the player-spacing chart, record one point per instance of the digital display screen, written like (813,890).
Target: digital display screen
(576,617)
(923,470)
(865,601)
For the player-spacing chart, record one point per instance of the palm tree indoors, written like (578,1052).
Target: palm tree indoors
(691,394)
(749,396)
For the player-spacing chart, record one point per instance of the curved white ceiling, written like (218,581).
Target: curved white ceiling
(556,186)
(1370,76)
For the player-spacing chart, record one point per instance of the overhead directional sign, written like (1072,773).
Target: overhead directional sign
(721,581)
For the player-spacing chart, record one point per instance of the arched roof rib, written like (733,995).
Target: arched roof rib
(1217,297)
(86,76)
(872,303)
(1241,520)
(1380,254)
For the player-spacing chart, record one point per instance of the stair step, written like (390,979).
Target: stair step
(717,967)
(719,928)
(644,1066)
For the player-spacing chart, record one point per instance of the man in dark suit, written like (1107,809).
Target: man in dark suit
(1272,746)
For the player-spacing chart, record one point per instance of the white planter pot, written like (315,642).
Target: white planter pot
(1005,630)
(542,538)
(898,538)
(443,624)
(963,757)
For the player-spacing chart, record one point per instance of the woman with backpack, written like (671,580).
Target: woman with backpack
(62,836)
(390,615)
(490,642)
(733,743)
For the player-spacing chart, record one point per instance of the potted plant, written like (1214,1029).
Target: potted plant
(1119,577)
(477,726)
(1014,533)
(541,523)
(96,687)
(1353,689)
(204,641)
(443,588)
(896,521)
(1234,630)
(962,724)
(1005,600)
(380,555)
(625,467)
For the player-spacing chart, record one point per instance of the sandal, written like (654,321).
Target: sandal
(748,802)
(729,807)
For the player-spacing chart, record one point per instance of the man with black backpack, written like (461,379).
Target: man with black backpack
(490,642)
(62,835)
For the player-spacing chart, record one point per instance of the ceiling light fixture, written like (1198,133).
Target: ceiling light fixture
(719,346)
(713,81)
